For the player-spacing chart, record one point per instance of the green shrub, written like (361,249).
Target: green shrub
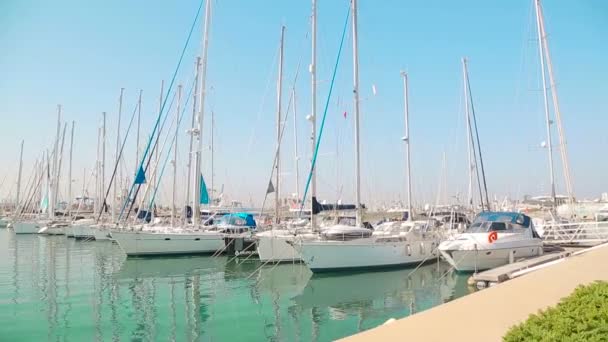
(582,316)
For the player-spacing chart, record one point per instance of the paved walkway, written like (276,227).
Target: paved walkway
(488,314)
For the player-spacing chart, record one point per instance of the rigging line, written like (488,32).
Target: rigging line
(30,180)
(331,87)
(122,147)
(162,171)
(179,63)
(483,173)
(162,125)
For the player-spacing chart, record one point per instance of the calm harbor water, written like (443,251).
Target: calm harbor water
(59,289)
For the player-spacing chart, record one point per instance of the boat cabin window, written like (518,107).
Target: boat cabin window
(498,226)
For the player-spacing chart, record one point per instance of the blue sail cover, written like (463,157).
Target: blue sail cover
(204,193)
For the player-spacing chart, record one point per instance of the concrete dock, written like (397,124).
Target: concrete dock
(487,315)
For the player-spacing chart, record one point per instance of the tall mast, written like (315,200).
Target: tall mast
(545,101)
(138,128)
(313,113)
(212,166)
(177,116)
(60,163)
(356,108)
(295,143)
(97,205)
(70,171)
(49,178)
(201,110)
(406,139)
(17,198)
(562,137)
(156,151)
(122,90)
(103,162)
(53,173)
(277,198)
(467,115)
(191,131)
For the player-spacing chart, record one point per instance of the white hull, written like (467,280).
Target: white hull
(4,222)
(144,243)
(276,248)
(53,230)
(26,227)
(83,232)
(101,233)
(484,259)
(322,256)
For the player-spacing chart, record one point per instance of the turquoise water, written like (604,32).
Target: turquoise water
(58,289)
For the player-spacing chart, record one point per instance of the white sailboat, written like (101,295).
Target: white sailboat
(182,238)
(33,224)
(392,244)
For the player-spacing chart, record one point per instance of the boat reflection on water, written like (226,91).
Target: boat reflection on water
(89,291)
(178,266)
(371,298)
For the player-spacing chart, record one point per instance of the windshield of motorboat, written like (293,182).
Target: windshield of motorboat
(496,221)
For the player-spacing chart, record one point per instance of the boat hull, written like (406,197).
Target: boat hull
(83,232)
(54,230)
(101,233)
(329,256)
(277,248)
(484,259)
(142,243)
(26,227)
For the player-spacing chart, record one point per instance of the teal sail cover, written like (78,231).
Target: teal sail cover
(204,193)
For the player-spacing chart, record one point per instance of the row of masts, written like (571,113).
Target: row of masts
(196,142)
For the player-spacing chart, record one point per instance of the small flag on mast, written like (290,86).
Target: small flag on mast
(140,178)
(270,188)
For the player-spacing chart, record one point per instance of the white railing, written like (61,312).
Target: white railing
(586,233)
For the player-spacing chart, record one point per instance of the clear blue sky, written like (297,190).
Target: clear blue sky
(80,54)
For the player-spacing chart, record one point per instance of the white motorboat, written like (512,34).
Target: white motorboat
(493,239)
(392,244)
(4,222)
(168,242)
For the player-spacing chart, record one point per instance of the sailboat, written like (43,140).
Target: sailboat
(277,244)
(32,224)
(392,244)
(273,245)
(180,238)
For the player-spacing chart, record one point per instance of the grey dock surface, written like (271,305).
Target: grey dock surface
(504,273)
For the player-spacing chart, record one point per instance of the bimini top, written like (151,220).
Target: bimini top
(500,221)
(238,219)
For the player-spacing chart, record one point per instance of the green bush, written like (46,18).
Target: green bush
(582,316)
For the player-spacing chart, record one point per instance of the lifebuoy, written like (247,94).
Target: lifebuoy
(493,236)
